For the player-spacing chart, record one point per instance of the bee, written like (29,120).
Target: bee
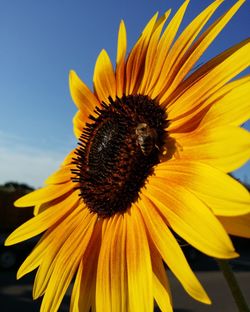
(146,138)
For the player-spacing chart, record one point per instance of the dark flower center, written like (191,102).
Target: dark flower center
(117,152)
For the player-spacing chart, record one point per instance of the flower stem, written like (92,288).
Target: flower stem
(233,285)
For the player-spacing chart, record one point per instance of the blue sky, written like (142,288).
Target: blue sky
(40,42)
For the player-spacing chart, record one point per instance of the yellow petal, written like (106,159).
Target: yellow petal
(151,52)
(161,288)
(233,108)
(68,159)
(136,58)
(229,199)
(42,207)
(187,59)
(45,194)
(35,258)
(82,96)
(170,251)
(120,59)
(179,49)
(227,147)
(103,281)
(190,218)
(79,121)
(57,236)
(228,105)
(239,226)
(138,264)
(43,221)
(119,286)
(104,78)
(164,46)
(111,287)
(36,210)
(66,263)
(208,79)
(76,291)
(49,240)
(62,175)
(83,296)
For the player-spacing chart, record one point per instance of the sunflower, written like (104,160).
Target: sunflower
(156,141)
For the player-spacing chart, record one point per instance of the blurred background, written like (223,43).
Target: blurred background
(41,41)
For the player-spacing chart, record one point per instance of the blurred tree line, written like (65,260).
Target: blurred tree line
(11,217)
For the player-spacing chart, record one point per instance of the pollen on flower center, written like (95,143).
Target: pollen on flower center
(117,152)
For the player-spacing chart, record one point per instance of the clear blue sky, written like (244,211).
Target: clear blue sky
(40,41)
